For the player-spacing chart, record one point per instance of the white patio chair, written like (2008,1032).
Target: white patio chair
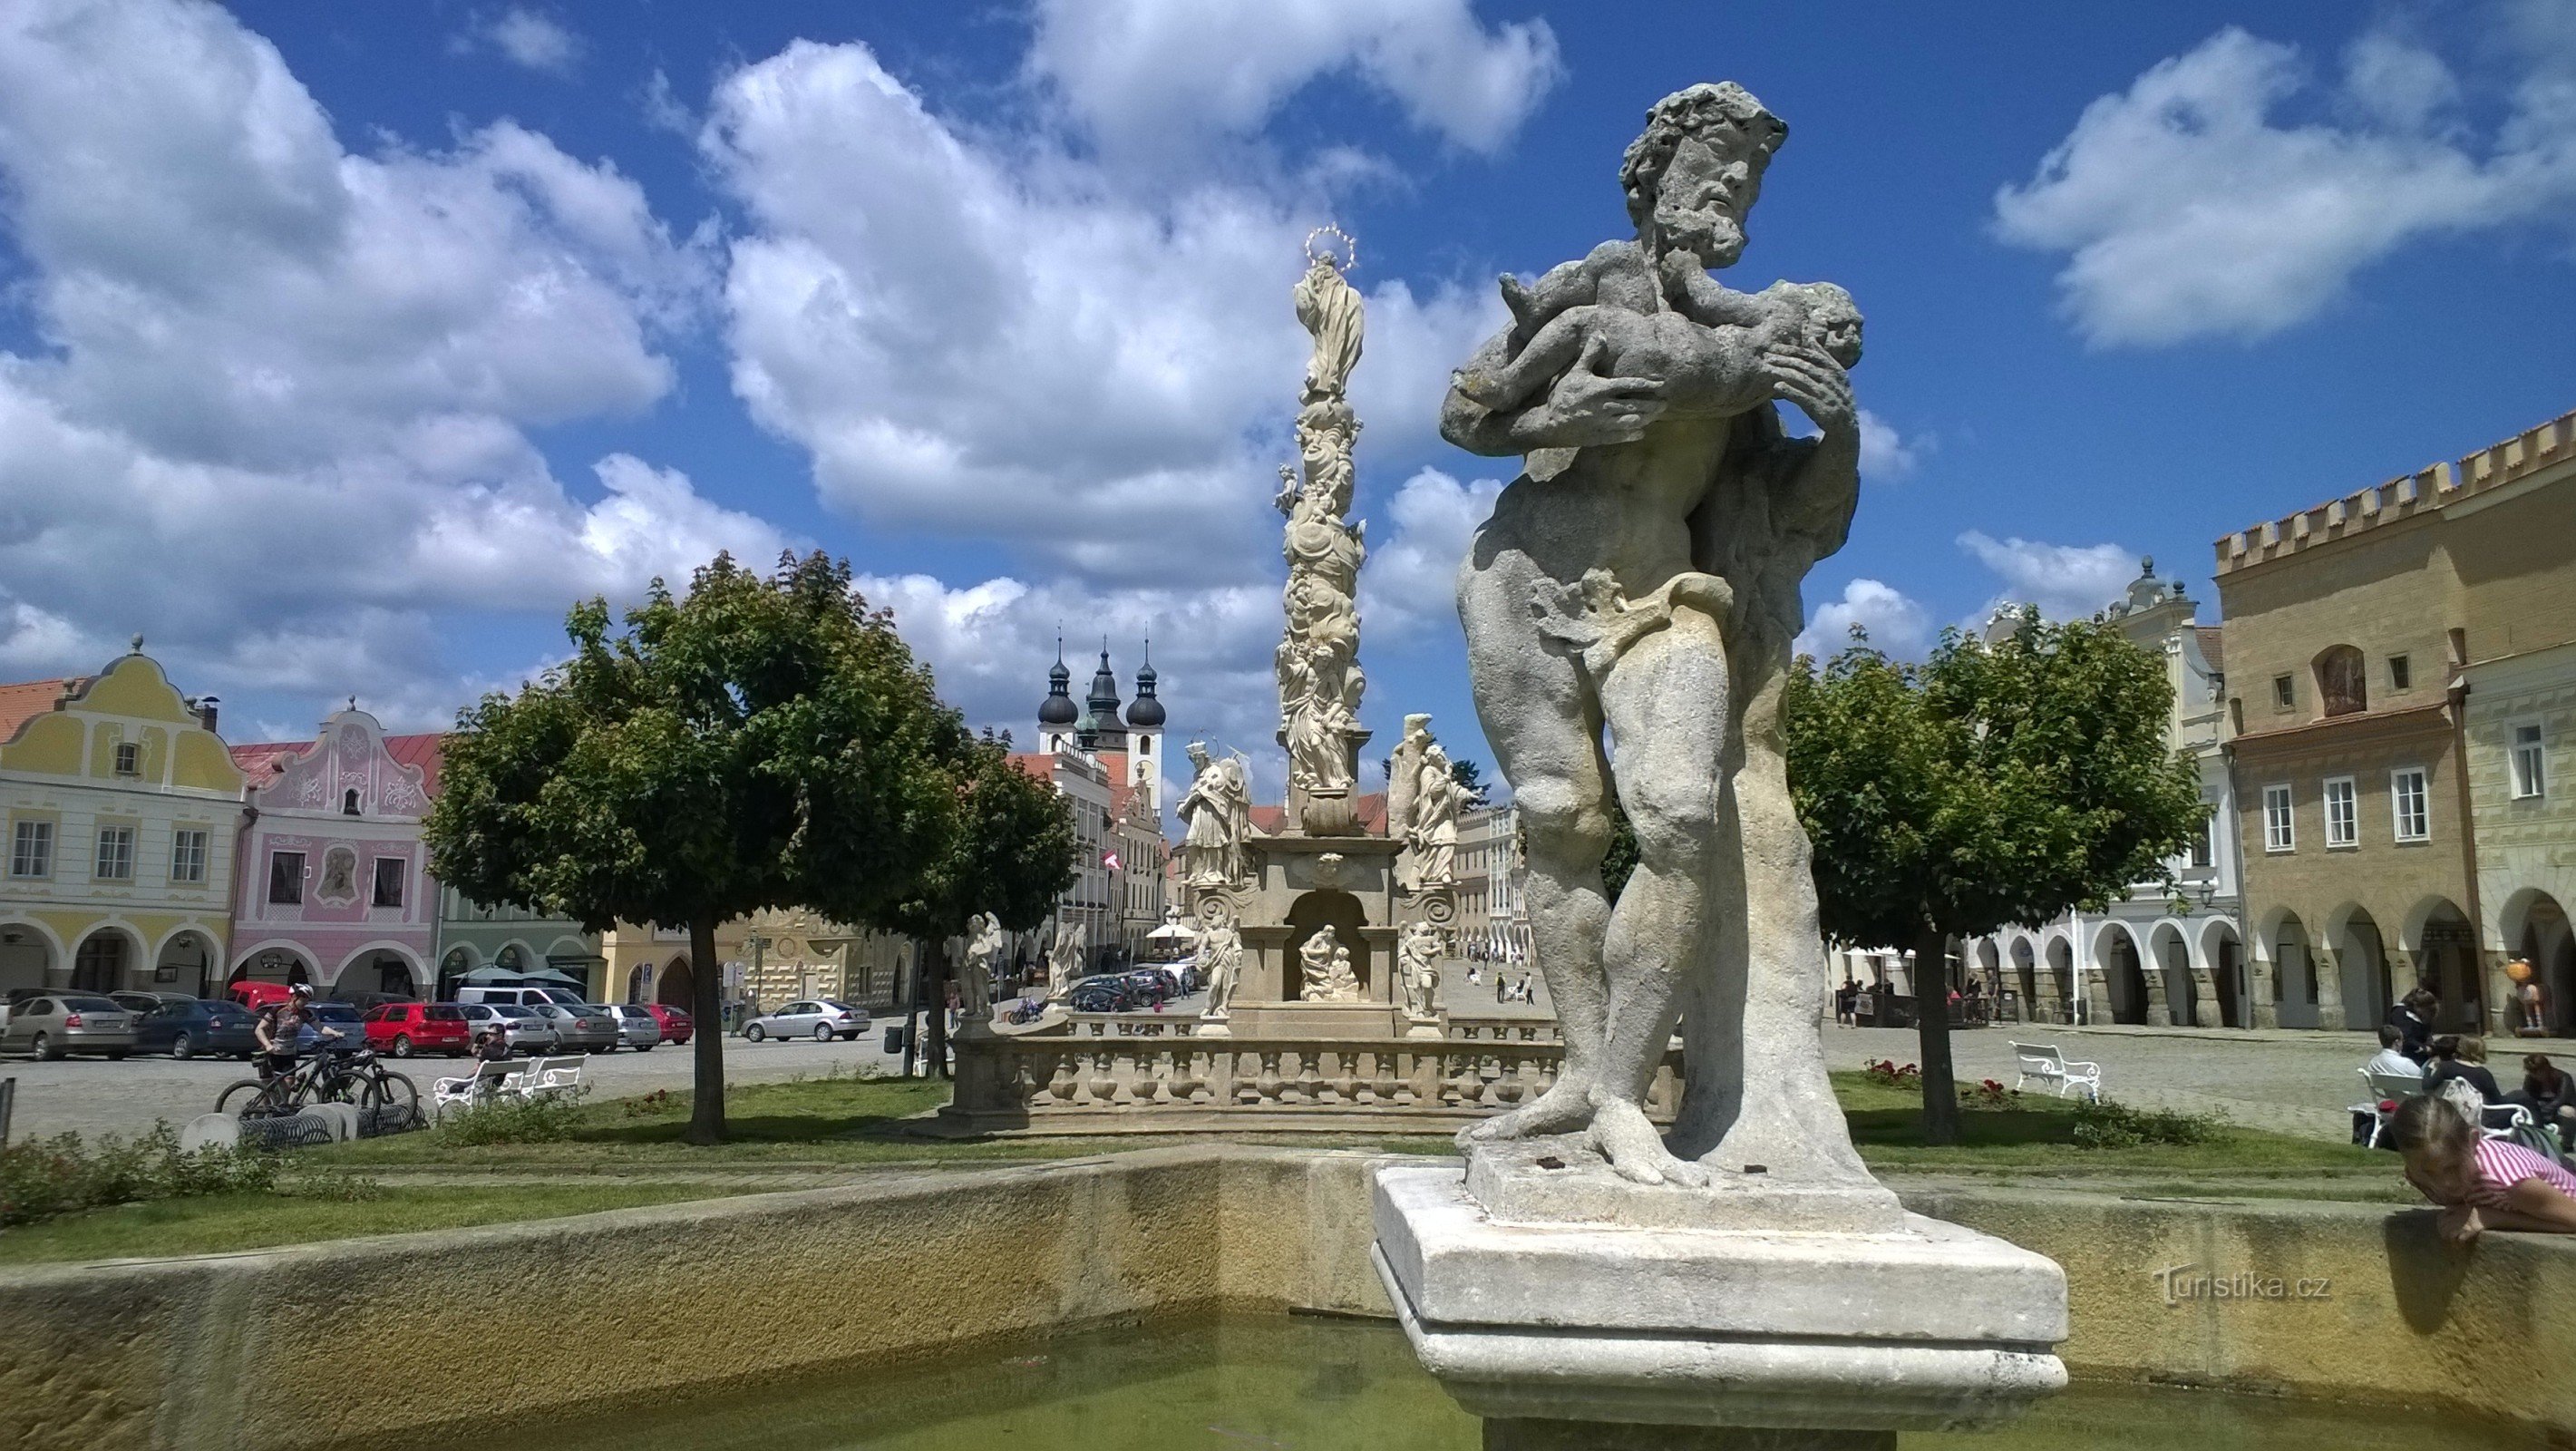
(2388,1088)
(2045,1063)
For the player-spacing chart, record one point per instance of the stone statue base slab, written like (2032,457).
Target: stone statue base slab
(1930,1326)
(1564,1180)
(1215,1025)
(1430,1027)
(1317,1020)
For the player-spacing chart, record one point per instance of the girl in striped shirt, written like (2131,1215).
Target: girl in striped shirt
(2480,1183)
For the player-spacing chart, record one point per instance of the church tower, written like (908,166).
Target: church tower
(1145,729)
(1056,714)
(1100,728)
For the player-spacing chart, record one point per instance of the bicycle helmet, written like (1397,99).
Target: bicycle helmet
(302,991)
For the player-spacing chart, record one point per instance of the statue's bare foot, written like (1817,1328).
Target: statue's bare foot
(1627,1138)
(1565,1107)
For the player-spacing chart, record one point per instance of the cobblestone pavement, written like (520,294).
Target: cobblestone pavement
(2290,1081)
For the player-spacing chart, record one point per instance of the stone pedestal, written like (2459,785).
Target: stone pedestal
(1733,1314)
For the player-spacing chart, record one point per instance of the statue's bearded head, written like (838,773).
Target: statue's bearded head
(1695,173)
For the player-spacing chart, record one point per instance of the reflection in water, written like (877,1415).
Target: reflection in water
(1302,1384)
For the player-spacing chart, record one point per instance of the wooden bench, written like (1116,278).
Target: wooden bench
(2045,1063)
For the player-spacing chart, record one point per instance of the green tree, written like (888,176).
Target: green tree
(1990,785)
(1470,779)
(763,741)
(1012,856)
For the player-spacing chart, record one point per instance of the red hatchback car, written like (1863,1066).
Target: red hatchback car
(676,1025)
(403,1029)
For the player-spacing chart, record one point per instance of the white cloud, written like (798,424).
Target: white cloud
(1896,625)
(527,38)
(1410,583)
(2066,581)
(2191,206)
(1153,78)
(1885,454)
(973,335)
(279,416)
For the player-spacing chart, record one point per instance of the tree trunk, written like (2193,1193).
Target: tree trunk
(1932,1032)
(935,1011)
(706,984)
(912,1003)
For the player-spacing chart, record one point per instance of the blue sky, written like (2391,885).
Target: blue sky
(344,346)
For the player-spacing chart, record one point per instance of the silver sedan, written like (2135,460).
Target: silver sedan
(818,1018)
(52,1024)
(637,1025)
(586,1029)
(521,1027)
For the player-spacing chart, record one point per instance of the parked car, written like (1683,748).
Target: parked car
(1111,993)
(367,1003)
(818,1018)
(676,1024)
(186,1027)
(257,995)
(403,1029)
(527,997)
(526,1032)
(585,1029)
(347,1021)
(57,1023)
(636,1026)
(1158,983)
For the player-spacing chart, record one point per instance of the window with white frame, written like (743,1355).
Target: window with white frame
(2530,777)
(31,849)
(129,759)
(115,854)
(187,855)
(2410,804)
(2342,813)
(2278,833)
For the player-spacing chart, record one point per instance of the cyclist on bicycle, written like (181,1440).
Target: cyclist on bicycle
(282,1028)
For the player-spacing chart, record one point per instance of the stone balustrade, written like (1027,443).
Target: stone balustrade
(1168,1081)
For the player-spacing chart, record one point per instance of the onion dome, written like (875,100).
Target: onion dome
(1057,709)
(1147,712)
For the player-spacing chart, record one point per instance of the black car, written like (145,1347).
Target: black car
(1104,995)
(1149,986)
(191,1027)
(351,1023)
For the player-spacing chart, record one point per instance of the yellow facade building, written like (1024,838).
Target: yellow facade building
(120,807)
(2400,681)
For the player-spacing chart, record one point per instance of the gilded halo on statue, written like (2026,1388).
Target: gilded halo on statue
(1343,259)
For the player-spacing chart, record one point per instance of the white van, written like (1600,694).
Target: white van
(521,997)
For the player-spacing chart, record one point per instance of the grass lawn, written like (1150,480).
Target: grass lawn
(2036,1136)
(819,1122)
(846,1123)
(221,1222)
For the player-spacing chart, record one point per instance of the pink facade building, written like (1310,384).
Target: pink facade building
(332,883)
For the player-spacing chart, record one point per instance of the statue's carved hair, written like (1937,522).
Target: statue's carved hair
(1722,112)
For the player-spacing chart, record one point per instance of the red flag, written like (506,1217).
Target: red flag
(1109,859)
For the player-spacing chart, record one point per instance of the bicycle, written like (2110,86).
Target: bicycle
(352,1076)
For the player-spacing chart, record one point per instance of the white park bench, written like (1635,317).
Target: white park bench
(494,1081)
(2508,1121)
(550,1076)
(2036,1060)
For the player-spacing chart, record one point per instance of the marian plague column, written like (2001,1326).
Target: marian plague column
(1320,681)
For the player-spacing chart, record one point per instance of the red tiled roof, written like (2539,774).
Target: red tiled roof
(27,699)
(422,751)
(262,760)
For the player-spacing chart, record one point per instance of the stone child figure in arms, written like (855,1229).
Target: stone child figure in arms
(1629,609)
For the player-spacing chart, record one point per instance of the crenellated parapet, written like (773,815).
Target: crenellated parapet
(2404,497)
